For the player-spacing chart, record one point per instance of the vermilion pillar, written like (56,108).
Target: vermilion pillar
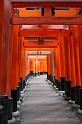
(49,64)
(79,32)
(15,57)
(72,61)
(76,54)
(24,64)
(9,67)
(28,71)
(4,43)
(57,63)
(22,60)
(62,56)
(67,58)
(38,64)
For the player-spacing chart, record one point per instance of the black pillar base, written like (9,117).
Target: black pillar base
(4,103)
(47,76)
(24,84)
(68,88)
(45,73)
(80,98)
(10,108)
(41,73)
(14,96)
(51,78)
(62,83)
(31,73)
(21,84)
(73,93)
(35,74)
(77,95)
(1,115)
(59,85)
(54,80)
(18,93)
(56,83)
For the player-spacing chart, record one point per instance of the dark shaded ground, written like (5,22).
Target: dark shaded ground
(42,105)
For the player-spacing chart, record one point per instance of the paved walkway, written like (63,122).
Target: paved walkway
(42,105)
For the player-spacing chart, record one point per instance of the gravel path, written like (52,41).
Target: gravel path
(42,105)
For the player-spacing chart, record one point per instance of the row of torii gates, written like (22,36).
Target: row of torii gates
(65,48)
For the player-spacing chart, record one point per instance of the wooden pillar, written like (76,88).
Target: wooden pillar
(52,64)
(34,65)
(72,61)
(57,64)
(79,32)
(24,63)
(22,60)
(4,43)
(62,56)
(28,71)
(76,54)
(15,57)
(49,64)
(67,58)
(38,65)
(28,64)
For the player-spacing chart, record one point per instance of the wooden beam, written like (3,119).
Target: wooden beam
(39,49)
(46,20)
(35,38)
(44,45)
(43,33)
(47,3)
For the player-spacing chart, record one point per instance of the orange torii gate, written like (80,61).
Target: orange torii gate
(67,44)
(9,46)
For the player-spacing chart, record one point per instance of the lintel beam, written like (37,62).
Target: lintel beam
(47,3)
(44,45)
(38,49)
(35,38)
(47,20)
(43,33)
(40,46)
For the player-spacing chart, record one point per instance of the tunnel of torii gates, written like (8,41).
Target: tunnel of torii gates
(33,35)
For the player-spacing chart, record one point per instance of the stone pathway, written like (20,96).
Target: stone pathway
(42,105)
